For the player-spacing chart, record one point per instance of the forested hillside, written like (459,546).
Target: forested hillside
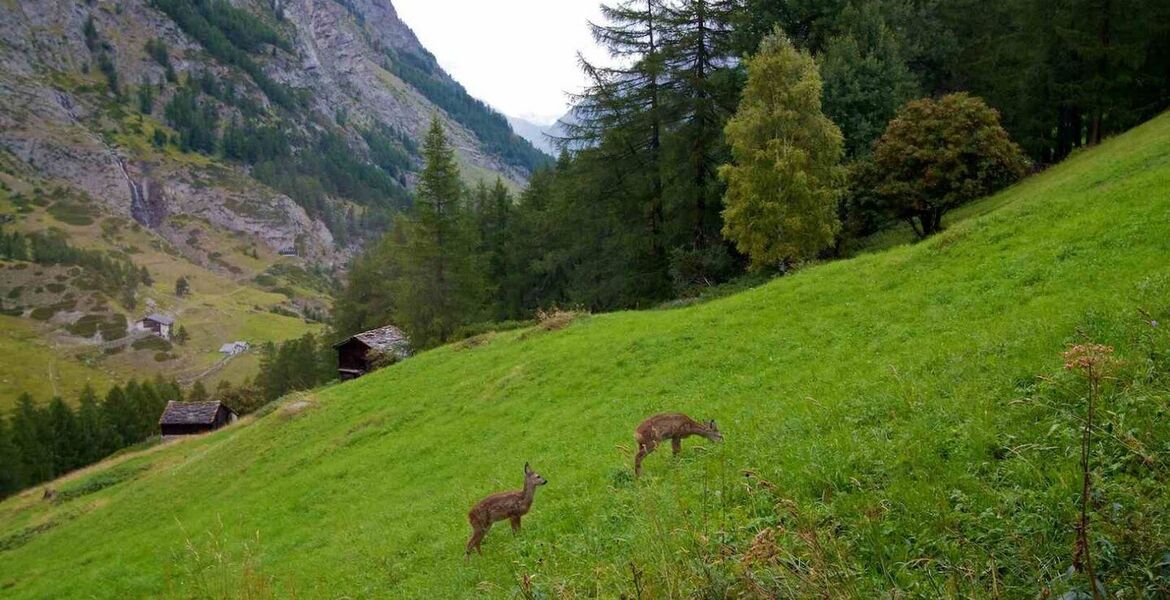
(867,123)
(900,423)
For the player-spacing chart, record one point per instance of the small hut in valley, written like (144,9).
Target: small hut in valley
(192,418)
(363,352)
(160,325)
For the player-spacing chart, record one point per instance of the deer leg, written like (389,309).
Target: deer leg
(473,543)
(515,524)
(643,450)
(676,445)
(477,539)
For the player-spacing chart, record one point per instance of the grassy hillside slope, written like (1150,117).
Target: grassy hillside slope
(887,409)
(239,290)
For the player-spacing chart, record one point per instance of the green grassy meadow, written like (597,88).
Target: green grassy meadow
(897,425)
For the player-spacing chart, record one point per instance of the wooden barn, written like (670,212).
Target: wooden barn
(192,418)
(358,355)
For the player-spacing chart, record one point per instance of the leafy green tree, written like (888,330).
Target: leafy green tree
(783,187)
(939,154)
(182,287)
(441,287)
(181,335)
(865,78)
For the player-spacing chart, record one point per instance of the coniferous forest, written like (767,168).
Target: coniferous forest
(658,189)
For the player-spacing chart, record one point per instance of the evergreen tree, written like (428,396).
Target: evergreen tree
(64,437)
(493,209)
(703,93)
(368,299)
(182,287)
(783,187)
(31,435)
(94,438)
(622,118)
(145,97)
(441,287)
(865,78)
(121,417)
(10,460)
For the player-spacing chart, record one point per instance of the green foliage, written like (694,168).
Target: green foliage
(1063,74)
(111,326)
(105,60)
(182,287)
(196,121)
(300,364)
(440,285)
(939,154)
(198,393)
(73,212)
(332,169)
(39,443)
(89,31)
(231,35)
(865,78)
(152,342)
(156,48)
(146,97)
(783,187)
(252,142)
(114,276)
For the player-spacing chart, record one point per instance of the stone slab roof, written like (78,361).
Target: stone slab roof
(383,338)
(189,413)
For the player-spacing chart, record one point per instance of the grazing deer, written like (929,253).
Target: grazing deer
(504,505)
(672,426)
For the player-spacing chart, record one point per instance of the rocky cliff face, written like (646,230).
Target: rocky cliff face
(60,123)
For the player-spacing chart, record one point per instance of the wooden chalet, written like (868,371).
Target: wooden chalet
(160,325)
(193,418)
(357,355)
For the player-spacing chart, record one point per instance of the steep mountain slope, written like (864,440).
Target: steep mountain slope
(537,135)
(886,434)
(71,75)
(209,140)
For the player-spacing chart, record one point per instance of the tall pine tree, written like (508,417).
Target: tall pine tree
(441,287)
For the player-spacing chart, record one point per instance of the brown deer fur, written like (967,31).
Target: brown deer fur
(504,505)
(672,426)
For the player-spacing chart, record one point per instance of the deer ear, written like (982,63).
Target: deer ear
(713,425)
(527,469)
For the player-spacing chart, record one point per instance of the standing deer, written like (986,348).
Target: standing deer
(673,426)
(504,505)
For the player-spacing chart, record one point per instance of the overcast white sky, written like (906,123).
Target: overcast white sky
(519,56)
